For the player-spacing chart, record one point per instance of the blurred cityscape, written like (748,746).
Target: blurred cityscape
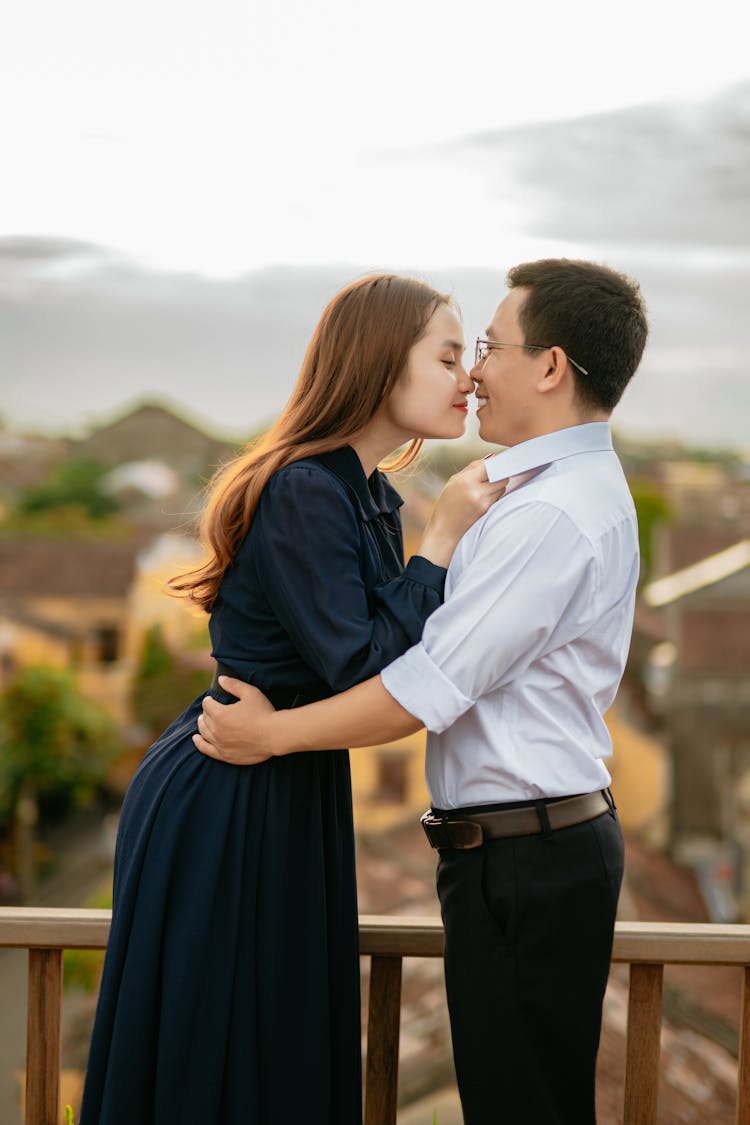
(95,660)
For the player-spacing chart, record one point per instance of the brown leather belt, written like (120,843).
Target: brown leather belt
(470,831)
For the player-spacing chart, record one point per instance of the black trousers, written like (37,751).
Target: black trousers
(529,922)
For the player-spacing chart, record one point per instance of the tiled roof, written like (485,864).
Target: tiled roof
(37,622)
(152,432)
(66,568)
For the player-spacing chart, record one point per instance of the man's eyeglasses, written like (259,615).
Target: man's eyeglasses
(484,347)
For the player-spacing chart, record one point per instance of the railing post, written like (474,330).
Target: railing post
(383,1027)
(644,1039)
(743,1063)
(43,1037)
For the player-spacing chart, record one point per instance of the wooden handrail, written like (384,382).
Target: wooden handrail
(674,943)
(36,927)
(645,946)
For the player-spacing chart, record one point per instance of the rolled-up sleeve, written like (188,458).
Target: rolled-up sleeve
(422,688)
(309,560)
(529,587)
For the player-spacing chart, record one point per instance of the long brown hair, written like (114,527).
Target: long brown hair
(356,354)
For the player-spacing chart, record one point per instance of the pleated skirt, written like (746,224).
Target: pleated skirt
(230,991)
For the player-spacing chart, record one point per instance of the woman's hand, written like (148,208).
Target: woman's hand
(467,496)
(237,733)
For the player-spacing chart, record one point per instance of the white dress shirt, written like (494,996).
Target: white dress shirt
(515,671)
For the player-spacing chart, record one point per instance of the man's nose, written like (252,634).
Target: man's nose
(476,372)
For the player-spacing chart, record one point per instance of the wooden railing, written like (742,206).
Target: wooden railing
(645,946)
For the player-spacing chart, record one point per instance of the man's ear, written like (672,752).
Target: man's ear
(556,370)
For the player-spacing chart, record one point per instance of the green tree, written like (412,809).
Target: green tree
(651,508)
(53,742)
(75,483)
(163,686)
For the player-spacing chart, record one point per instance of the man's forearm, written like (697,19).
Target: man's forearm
(365,715)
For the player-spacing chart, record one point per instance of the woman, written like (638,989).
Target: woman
(230,992)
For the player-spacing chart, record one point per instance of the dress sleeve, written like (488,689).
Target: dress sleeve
(308,553)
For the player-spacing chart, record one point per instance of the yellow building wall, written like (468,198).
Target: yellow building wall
(184,625)
(27,645)
(109,684)
(373,812)
(640,782)
(106,684)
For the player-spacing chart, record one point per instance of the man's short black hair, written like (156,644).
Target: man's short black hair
(596,314)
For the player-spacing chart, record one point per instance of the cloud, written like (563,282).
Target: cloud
(667,174)
(662,191)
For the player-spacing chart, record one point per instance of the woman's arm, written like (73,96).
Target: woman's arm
(466,497)
(305,552)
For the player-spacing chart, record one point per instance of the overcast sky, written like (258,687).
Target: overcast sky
(218,136)
(210,145)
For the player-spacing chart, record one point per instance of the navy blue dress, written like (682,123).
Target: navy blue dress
(230,993)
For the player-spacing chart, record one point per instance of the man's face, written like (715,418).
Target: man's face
(506,381)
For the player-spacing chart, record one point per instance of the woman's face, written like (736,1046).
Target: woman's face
(429,399)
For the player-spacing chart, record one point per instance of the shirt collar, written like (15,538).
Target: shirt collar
(538,452)
(375,497)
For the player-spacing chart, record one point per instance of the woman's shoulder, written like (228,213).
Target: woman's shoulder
(336,479)
(303,486)
(308,472)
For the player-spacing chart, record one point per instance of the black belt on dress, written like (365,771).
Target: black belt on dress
(469,830)
(283,699)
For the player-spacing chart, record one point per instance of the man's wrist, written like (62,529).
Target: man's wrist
(278,734)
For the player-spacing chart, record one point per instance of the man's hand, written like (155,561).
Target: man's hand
(237,733)
(250,731)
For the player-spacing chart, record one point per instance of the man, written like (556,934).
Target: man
(511,679)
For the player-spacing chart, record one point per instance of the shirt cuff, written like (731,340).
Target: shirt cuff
(416,682)
(420,569)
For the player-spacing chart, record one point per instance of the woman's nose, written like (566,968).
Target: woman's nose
(465,381)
